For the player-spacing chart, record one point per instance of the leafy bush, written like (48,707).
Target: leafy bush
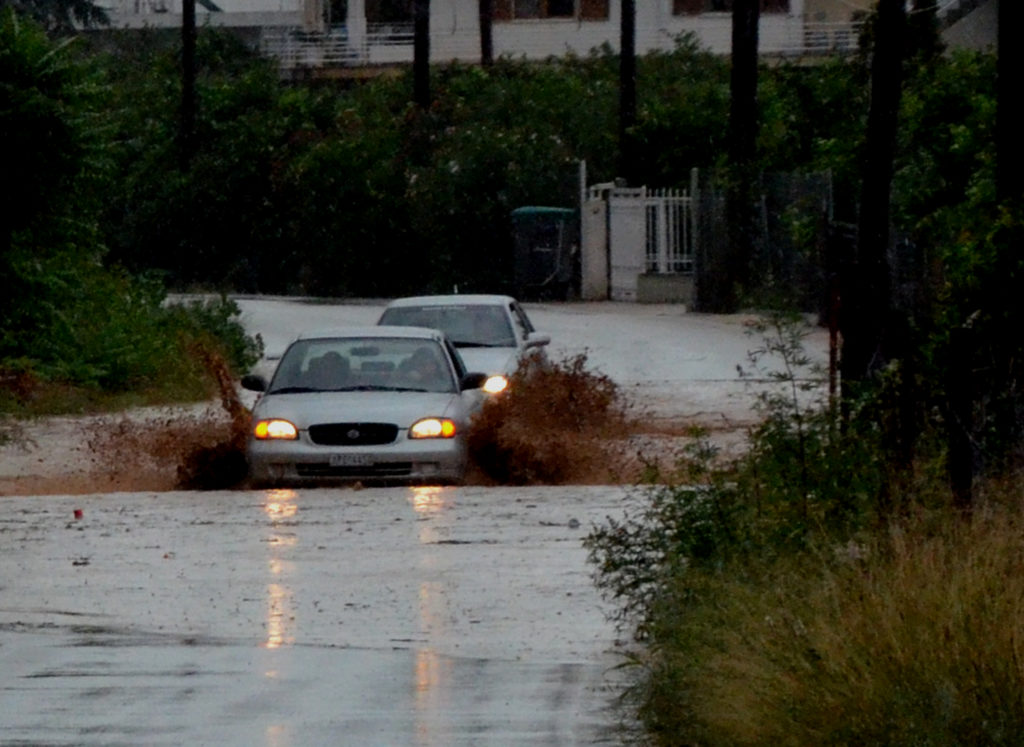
(349,190)
(65,318)
(800,595)
(801,476)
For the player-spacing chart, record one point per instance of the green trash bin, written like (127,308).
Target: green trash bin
(546,252)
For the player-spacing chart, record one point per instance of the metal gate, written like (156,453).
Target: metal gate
(669,243)
(636,233)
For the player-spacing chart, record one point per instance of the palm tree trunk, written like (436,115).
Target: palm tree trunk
(742,153)
(421,54)
(486,32)
(1009,116)
(627,91)
(867,297)
(186,132)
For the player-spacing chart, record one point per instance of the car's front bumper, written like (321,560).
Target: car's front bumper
(417,461)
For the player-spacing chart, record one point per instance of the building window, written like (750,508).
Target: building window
(389,11)
(561,9)
(696,7)
(585,10)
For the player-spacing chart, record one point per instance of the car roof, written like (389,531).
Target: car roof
(422,333)
(457,299)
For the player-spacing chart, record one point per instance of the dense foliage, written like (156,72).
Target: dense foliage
(346,189)
(65,316)
(824,588)
(807,593)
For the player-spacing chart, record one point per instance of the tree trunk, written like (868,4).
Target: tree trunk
(486,32)
(627,92)
(1009,115)
(743,120)
(1003,294)
(923,39)
(187,127)
(867,292)
(742,154)
(421,54)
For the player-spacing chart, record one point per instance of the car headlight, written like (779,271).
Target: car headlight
(275,429)
(495,384)
(432,428)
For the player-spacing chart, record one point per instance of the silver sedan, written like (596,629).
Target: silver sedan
(492,332)
(363,404)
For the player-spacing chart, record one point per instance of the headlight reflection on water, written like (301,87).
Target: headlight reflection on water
(426,499)
(279,505)
(434,507)
(432,672)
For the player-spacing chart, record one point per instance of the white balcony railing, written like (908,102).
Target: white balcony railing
(294,47)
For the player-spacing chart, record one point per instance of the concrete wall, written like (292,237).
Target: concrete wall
(594,251)
(666,289)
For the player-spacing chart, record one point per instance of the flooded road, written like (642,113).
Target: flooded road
(400,616)
(455,616)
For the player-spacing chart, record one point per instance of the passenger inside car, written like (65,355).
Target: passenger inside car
(329,371)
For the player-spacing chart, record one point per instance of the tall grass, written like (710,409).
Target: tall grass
(788,599)
(910,637)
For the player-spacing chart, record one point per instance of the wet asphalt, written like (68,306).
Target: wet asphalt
(399,616)
(386,616)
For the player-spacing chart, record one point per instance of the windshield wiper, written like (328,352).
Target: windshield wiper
(292,390)
(361,388)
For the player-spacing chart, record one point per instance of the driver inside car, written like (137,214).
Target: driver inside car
(424,370)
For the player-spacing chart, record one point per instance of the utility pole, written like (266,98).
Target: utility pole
(186,132)
(867,289)
(627,92)
(486,9)
(421,54)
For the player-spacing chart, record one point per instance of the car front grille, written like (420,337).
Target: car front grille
(353,434)
(383,470)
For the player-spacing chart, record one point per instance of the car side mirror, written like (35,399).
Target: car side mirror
(536,340)
(472,381)
(254,383)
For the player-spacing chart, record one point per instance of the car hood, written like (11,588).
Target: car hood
(490,360)
(401,408)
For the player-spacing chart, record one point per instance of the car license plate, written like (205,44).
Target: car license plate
(350,460)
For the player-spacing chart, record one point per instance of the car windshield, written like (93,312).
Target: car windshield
(469,325)
(363,364)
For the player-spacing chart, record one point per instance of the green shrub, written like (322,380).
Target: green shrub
(802,475)
(800,595)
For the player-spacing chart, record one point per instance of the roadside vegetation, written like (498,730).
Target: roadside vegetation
(77,333)
(811,592)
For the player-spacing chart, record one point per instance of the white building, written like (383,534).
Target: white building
(367,33)
(359,33)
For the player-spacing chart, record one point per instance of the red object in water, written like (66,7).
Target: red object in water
(78,513)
